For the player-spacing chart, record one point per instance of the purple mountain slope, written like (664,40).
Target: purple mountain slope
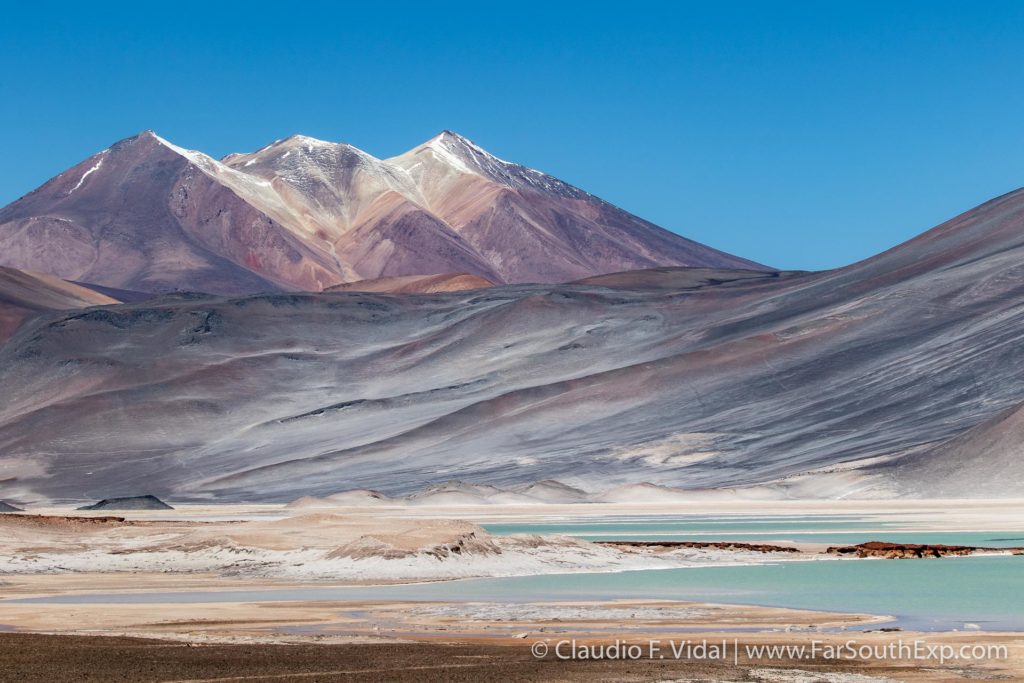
(303,215)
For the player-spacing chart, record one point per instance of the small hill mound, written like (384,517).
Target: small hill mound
(644,493)
(416,284)
(129,503)
(357,497)
(353,498)
(551,491)
(463,493)
(7,507)
(24,295)
(308,502)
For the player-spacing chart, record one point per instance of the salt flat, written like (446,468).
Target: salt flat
(936,514)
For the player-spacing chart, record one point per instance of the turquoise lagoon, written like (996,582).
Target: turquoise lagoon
(937,594)
(919,594)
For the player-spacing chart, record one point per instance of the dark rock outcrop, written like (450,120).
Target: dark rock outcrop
(716,545)
(129,503)
(64,522)
(904,551)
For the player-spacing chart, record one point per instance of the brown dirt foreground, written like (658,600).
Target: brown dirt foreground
(36,658)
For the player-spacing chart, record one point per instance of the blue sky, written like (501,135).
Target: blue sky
(803,135)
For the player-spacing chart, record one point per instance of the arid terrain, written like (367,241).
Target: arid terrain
(305,414)
(696,355)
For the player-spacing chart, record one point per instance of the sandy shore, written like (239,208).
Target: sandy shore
(345,621)
(436,641)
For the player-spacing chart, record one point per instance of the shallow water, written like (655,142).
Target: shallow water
(938,594)
(695,524)
(830,529)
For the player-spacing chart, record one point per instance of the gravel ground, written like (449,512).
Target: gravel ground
(32,658)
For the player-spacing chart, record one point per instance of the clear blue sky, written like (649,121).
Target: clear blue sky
(803,135)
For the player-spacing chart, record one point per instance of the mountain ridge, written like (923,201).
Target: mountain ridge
(302,214)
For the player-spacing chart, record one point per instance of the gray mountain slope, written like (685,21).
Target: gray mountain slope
(864,380)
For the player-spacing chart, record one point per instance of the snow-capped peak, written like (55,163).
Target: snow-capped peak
(451,138)
(465,156)
(190,154)
(462,155)
(307,140)
(310,144)
(463,147)
(213,168)
(303,145)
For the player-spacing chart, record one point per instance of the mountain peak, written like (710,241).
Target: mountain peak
(451,137)
(461,146)
(446,135)
(300,139)
(145,136)
(150,135)
(207,163)
(148,141)
(455,153)
(450,153)
(304,145)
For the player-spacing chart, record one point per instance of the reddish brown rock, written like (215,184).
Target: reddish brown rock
(716,545)
(902,551)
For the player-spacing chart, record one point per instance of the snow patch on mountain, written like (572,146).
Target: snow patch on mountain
(89,172)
